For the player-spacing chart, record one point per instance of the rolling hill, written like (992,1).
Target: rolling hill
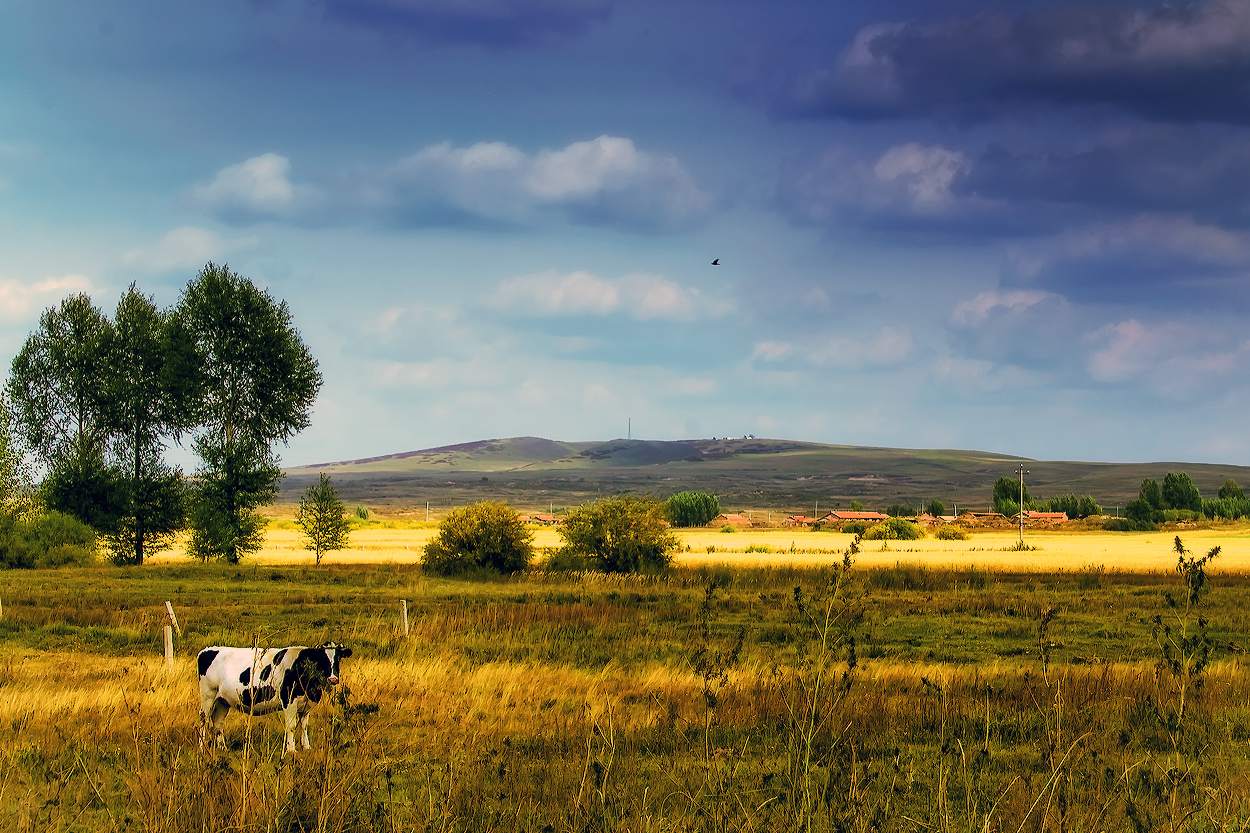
(774,474)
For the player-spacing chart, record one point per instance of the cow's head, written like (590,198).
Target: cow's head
(334,653)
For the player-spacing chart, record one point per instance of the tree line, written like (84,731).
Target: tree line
(95,402)
(1177,498)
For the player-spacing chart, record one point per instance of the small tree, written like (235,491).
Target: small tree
(1230,489)
(1006,496)
(622,534)
(692,508)
(936,508)
(489,534)
(323,517)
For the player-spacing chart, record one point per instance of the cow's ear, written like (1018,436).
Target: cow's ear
(345,653)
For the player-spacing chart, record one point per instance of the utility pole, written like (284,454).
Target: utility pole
(1023,472)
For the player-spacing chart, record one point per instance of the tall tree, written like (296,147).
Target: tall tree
(58,408)
(323,517)
(1179,492)
(257,384)
(149,398)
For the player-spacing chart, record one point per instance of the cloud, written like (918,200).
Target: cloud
(254,189)
(1183,63)
(888,346)
(1170,358)
(602,182)
(640,296)
(184,247)
(17,299)
(977,309)
(484,22)
(606,181)
(1168,260)
(909,187)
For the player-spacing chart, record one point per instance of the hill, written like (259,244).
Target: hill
(770,474)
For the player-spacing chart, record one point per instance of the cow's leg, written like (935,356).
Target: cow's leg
(292,723)
(214,716)
(303,722)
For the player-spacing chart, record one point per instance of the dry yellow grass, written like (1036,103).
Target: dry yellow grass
(1134,552)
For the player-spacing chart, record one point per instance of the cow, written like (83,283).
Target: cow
(264,680)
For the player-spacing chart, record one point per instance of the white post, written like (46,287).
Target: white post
(173,620)
(427,511)
(404,603)
(169,647)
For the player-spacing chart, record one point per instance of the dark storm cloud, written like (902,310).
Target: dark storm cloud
(1170,64)
(934,190)
(483,22)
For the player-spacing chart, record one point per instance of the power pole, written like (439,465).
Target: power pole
(1023,472)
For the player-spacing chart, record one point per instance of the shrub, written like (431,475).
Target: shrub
(487,535)
(692,508)
(623,534)
(362,512)
(49,539)
(728,529)
(855,527)
(950,532)
(1127,525)
(894,529)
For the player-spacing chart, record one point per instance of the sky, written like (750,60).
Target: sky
(1020,227)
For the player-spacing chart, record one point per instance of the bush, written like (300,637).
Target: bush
(50,539)
(894,529)
(728,529)
(1127,525)
(855,527)
(485,535)
(623,534)
(950,532)
(692,508)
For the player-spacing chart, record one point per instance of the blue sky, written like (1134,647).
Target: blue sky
(1021,227)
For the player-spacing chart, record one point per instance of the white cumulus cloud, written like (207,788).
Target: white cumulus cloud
(258,187)
(638,295)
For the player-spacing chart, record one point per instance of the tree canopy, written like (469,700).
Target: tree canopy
(1179,492)
(692,508)
(1230,489)
(1006,496)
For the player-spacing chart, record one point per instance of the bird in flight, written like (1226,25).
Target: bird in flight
(716,262)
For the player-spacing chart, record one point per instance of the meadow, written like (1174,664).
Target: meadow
(936,685)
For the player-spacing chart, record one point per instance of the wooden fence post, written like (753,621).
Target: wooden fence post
(404,603)
(173,620)
(169,647)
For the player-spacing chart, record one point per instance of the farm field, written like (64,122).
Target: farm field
(950,688)
(1066,551)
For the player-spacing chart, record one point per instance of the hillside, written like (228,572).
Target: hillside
(759,473)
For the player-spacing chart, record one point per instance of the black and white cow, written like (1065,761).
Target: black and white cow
(264,680)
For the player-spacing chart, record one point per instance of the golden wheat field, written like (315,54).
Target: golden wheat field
(1055,551)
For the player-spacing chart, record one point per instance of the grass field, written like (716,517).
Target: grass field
(1067,551)
(936,686)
